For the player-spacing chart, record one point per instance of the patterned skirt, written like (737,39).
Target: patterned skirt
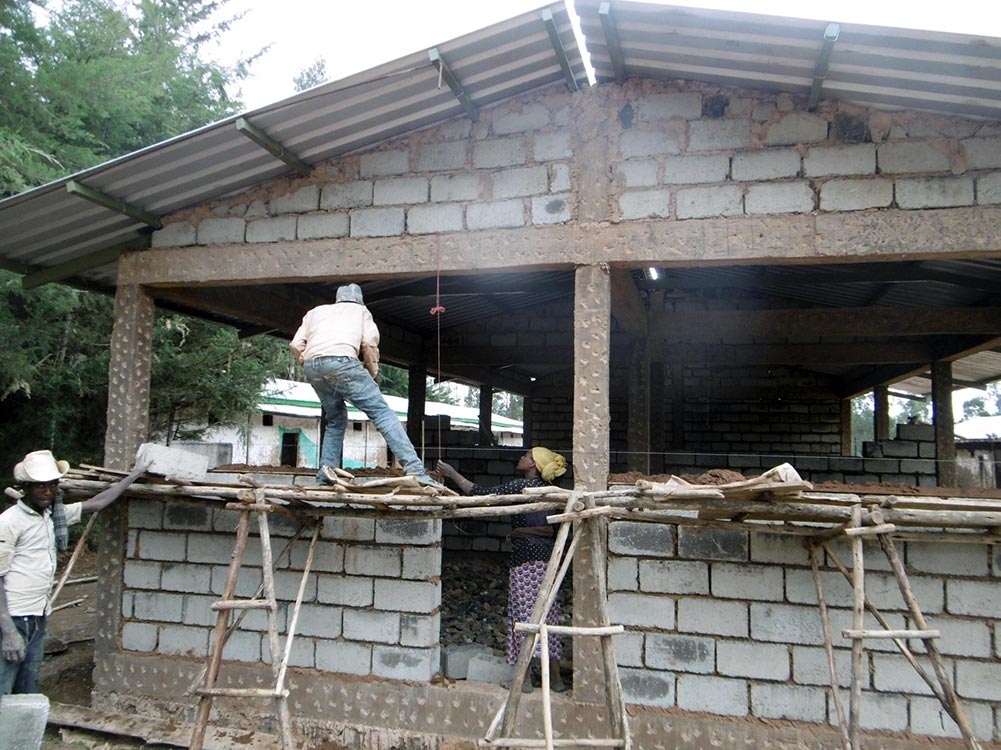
(524,582)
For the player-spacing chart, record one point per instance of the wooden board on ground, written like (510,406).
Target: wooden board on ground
(156,730)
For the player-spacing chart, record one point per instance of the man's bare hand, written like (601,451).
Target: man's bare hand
(13,645)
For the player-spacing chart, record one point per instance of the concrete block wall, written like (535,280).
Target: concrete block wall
(727,623)
(371,605)
(765,155)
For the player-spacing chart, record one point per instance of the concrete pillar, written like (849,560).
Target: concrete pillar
(658,437)
(22,721)
(881,412)
(677,406)
(527,419)
(416,397)
(846,427)
(591,414)
(638,411)
(945,440)
(128,427)
(486,414)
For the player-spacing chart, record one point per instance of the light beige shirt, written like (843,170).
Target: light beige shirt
(28,556)
(335,330)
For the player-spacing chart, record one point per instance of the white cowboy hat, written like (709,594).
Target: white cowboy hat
(40,466)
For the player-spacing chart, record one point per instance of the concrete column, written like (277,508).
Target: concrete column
(881,412)
(658,437)
(127,429)
(846,427)
(945,440)
(486,414)
(527,419)
(592,322)
(638,430)
(416,397)
(677,406)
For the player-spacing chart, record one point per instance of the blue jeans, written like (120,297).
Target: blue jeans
(340,379)
(22,677)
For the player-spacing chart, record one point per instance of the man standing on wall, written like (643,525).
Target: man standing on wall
(331,345)
(31,532)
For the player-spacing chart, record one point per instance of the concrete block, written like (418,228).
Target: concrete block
(688,170)
(435,218)
(809,667)
(559,178)
(823,161)
(674,577)
(139,636)
(935,192)
(318,620)
(373,561)
(782,623)
(656,107)
(275,229)
(989,189)
(983,153)
(715,695)
(842,619)
(928,717)
(145,514)
(921,433)
(439,157)
(759,661)
(719,135)
(641,610)
(778,548)
(641,539)
(367,626)
(979,680)
(638,172)
(880,711)
(948,559)
(352,529)
(141,575)
(645,204)
(408,532)
(221,231)
(157,606)
(343,657)
(407,596)
(551,146)
(173,462)
(779,198)
(400,190)
(457,657)
(892,673)
(320,226)
(301,201)
(377,222)
(356,194)
(500,152)
(629,649)
(328,557)
(855,194)
(635,144)
(420,631)
(178,640)
(217,548)
(712,544)
(198,610)
(22,721)
(792,702)
(287,585)
(489,668)
(623,574)
(911,156)
(647,688)
(526,117)
(421,563)
(975,598)
(398,663)
(510,213)
(795,128)
(349,591)
(382,163)
(514,183)
(458,187)
(680,653)
(178,234)
(551,209)
(303,652)
(193,579)
(755,582)
(712,617)
(766,164)
(695,203)
(801,589)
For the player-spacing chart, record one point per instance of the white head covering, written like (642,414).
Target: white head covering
(40,466)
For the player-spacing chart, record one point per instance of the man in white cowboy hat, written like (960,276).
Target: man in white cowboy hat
(31,531)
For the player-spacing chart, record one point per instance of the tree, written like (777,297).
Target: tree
(311,76)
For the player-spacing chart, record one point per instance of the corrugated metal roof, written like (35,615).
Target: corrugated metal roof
(48,226)
(888,68)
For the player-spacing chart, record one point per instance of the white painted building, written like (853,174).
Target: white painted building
(286,430)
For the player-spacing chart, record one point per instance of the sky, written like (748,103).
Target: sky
(351,36)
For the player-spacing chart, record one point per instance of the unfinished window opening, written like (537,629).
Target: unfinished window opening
(289,448)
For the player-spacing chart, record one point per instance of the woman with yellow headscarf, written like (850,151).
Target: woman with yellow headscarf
(531,547)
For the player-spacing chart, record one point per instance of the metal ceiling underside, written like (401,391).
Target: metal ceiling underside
(48,226)
(871,66)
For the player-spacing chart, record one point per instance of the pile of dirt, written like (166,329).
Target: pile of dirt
(712,477)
